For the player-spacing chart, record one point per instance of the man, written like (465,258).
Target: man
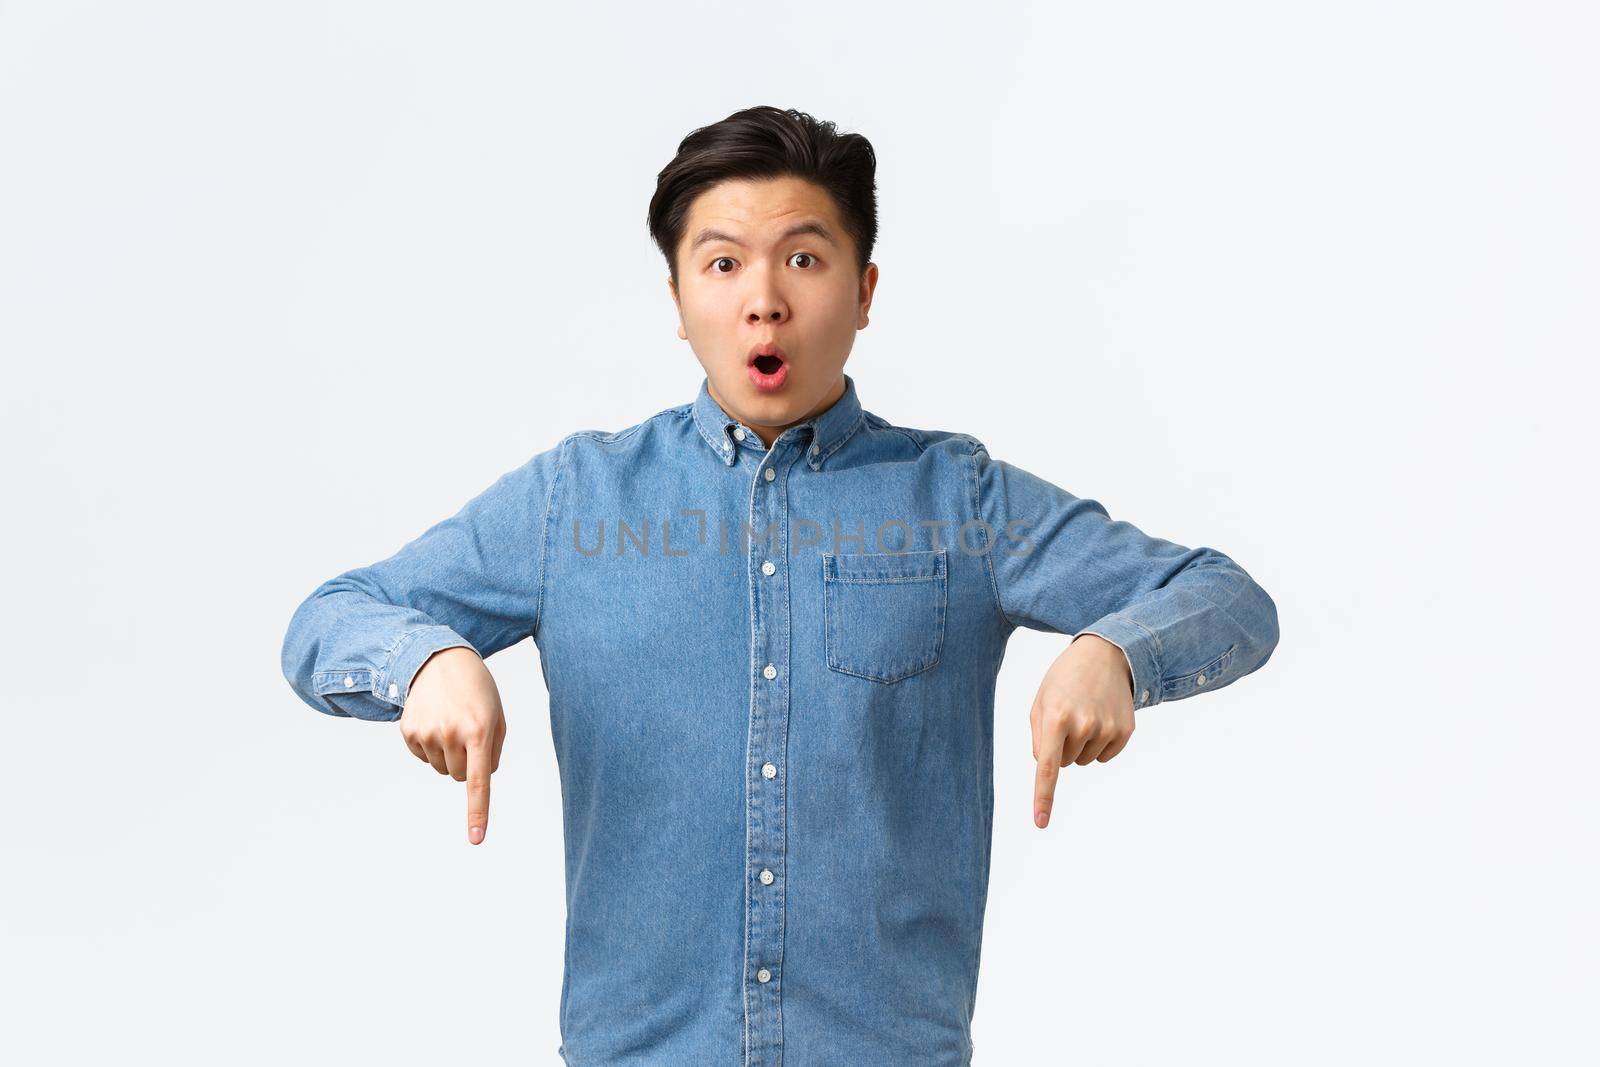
(770,623)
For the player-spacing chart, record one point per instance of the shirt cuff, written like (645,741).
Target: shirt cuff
(410,653)
(379,695)
(1138,648)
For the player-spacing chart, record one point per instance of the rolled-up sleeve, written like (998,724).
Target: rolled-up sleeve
(473,580)
(1189,620)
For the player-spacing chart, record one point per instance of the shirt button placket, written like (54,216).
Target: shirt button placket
(769,723)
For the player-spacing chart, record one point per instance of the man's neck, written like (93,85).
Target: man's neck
(769,434)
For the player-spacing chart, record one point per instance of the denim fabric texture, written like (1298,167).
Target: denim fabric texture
(771,677)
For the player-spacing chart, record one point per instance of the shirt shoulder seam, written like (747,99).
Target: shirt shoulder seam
(544,536)
(909,434)
(988,534)
(611,436)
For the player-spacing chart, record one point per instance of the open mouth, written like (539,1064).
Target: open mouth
(769,368)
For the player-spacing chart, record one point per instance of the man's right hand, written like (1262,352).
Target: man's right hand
(453,721)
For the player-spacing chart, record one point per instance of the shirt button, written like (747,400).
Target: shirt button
(738,433)
(1200,680)
(763,975)
(815,450)
(349,681)
(767,567)
(766,877)
(1144,696)
(768,771)
(394,690)
(770,474)
(769,671)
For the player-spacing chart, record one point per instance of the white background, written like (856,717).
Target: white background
(283,284)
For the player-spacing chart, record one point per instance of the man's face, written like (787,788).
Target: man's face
(744,280)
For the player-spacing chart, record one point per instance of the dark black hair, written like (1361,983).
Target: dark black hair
(766,142)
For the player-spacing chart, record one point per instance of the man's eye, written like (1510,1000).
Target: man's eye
(720,259)
(808,255)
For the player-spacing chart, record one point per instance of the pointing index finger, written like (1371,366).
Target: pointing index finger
(1044,785)
(478,763)
(1052,744)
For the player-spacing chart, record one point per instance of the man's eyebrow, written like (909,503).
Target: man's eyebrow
(708,235)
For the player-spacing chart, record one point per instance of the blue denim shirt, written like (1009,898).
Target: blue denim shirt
(771,676)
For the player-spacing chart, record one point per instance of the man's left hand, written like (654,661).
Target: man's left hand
(1083,713)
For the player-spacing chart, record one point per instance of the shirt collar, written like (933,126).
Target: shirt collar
(828,430)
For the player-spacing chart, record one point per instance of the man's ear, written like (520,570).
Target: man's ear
(869,282)
(673,289)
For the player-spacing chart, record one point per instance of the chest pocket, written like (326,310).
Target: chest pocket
(884,612)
